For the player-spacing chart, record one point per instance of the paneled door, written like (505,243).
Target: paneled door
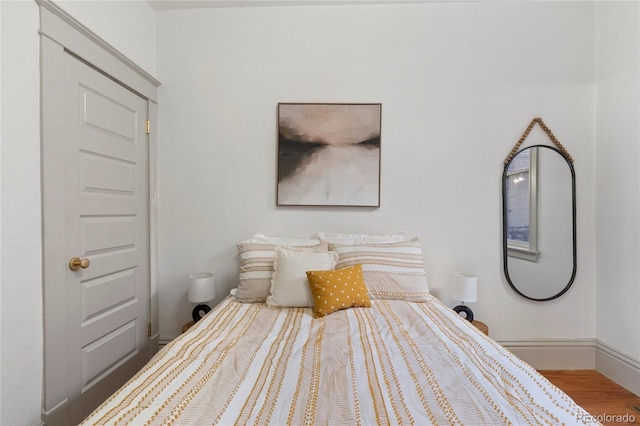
(96,237)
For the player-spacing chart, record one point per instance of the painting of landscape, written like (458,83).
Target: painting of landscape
(329,154)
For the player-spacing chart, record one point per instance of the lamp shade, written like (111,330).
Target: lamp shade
(202,288)
(464,287)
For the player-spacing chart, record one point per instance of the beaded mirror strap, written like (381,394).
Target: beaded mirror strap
(547,131)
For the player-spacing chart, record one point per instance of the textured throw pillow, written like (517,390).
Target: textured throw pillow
(289,286)
(339,289)
(256,269)
(391,271)
(360,238)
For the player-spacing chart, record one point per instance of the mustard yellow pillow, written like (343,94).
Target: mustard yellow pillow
(338,289)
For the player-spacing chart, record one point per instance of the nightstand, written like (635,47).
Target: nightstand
(187,325)
(481,326)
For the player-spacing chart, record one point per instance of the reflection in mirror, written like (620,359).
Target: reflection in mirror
(539,222)
(521,188)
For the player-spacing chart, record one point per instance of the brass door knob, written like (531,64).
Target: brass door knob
(76,263)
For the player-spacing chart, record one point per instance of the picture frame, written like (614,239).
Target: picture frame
(329,154)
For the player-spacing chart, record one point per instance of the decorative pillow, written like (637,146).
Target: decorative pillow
(391,271)
(284,241)
(360,238)
(339,289)
(289,286)
(256,269)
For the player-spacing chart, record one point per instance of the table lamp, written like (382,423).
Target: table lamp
(464,287)
(202,289)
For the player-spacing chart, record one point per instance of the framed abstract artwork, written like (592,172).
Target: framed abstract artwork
(329,154)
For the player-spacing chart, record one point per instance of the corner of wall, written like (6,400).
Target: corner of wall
(619,367)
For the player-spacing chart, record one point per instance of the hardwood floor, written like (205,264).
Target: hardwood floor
(598,395)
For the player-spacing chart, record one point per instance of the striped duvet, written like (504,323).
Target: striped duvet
(395,363)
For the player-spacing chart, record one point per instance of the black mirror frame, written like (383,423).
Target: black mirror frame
(504,225)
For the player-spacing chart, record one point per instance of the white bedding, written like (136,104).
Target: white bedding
(395,363)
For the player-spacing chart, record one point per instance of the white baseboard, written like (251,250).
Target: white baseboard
(554,354)
(618,366)
(578,354)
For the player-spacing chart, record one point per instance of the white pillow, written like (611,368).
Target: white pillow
(283,241)
(289,285)
(360,238)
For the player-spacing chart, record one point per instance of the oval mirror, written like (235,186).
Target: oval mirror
(539,226)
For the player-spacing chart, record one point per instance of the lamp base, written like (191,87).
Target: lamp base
(196,313)
(468,312)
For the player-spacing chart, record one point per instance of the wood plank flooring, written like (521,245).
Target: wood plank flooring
(597,394)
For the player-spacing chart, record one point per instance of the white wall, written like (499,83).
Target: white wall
(129,25)
(0,209)
(618,177)
(21,276)
(459,83)
(21,329)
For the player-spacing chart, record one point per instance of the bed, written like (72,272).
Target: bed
(395,361)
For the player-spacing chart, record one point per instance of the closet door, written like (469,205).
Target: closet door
(96,226)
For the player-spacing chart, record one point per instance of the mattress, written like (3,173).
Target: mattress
(397,362)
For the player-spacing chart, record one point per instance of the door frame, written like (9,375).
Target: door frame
(61,34)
